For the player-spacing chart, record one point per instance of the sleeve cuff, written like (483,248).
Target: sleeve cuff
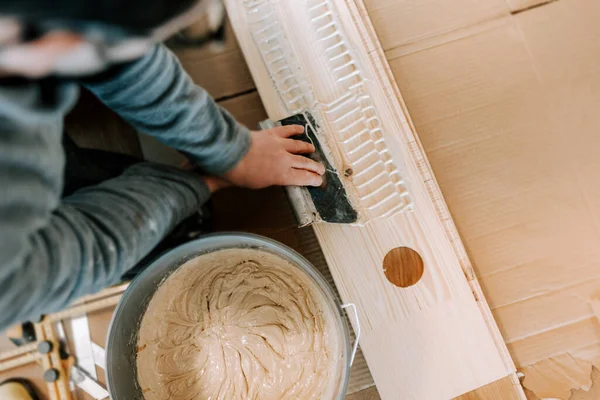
(228,156)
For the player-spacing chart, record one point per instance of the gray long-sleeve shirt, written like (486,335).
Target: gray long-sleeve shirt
(54,250)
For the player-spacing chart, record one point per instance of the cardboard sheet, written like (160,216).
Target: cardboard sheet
(506,100)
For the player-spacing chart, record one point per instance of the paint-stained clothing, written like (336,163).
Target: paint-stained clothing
(54,250)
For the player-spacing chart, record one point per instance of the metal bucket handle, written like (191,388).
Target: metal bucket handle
(357,332)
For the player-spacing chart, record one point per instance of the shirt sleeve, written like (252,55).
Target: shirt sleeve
(53,251)
(157,97)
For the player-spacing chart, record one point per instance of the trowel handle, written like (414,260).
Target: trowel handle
(357,331)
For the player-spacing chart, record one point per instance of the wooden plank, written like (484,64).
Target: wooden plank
(92,125)
(246,108)
(498,390)
(436,339)
(366,394)
(222,71)
(503,389)
(223,74)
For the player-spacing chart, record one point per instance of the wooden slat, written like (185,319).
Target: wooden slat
(436,339)
(19,361)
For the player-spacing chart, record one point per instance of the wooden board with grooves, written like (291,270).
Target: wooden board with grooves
(437,338)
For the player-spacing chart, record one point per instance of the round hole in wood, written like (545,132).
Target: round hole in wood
(403,266)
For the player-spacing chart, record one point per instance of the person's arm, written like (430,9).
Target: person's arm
(53,251)
(157,97)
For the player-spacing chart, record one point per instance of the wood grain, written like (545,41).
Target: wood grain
(222,71)
(246,108)
(403,266)
(92,125)
(445,340)
(503,389)
(365,394)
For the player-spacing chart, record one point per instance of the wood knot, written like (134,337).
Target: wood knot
(403,266)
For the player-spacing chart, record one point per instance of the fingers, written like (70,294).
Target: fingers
(288,130)
(300,162)
(302,177)
(298,146)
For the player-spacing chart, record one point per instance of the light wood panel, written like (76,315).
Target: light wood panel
(436,339)
(503,389)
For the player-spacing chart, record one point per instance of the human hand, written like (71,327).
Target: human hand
(275,159)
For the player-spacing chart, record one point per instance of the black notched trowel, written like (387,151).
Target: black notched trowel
(328,202)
